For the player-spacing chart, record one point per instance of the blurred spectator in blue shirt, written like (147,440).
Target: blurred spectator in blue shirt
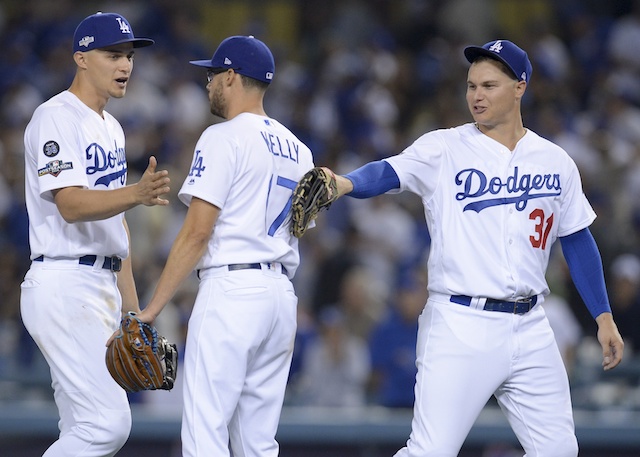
(393,343)
(336,366)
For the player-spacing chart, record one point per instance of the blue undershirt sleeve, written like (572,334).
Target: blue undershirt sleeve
(585,265)
(374,178)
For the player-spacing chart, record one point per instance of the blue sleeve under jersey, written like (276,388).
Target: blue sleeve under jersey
(585,265)
(374,178)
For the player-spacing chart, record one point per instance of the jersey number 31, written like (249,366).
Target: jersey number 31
(542,228)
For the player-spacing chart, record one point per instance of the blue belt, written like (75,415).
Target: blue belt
(253,266)
(521,306)
(110,263)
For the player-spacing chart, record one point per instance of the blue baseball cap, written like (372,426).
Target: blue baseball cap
(246,55)
(105,29)
(506,52)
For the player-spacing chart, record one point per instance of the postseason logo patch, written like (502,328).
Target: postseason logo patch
(54,168)
(51,148)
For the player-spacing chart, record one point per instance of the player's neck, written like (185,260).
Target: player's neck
(505,134)
(241,100)
(89,98)
(251,108)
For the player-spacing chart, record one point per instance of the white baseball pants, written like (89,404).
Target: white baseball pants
(464,356)
(70,311)
(237,359)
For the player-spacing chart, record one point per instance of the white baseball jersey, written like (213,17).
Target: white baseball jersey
(251,179)
(69,144)
(248,167)
(493,214)
(69,308)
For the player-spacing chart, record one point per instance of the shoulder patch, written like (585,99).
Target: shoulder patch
(54,168)
(51,148)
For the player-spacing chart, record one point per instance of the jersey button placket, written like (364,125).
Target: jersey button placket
(512,227)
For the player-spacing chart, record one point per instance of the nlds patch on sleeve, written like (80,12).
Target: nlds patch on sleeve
(51,148)
(54,168)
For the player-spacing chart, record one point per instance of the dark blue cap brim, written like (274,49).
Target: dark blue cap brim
(201,63)
(142,42)
(137,43)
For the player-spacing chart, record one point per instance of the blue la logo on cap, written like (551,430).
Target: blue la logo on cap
(246,55)
(506,52)
(101,30)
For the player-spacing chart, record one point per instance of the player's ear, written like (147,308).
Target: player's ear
(230,76)
(80,59)
(521,87)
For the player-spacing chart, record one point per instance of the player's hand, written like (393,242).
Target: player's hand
(153,185)
(112,337)
(146,317)
(344,185)
(141,316)
(610,340)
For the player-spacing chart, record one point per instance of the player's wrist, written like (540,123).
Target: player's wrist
(604,318)
(344,185)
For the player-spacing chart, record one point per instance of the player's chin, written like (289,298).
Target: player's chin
(119,88)
(118,93)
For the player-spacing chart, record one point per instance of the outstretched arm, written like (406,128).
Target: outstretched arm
(320,187)
(374,178)
(585,265)
(77,204)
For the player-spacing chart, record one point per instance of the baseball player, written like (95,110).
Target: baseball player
(80,280)
(496,198)
(236,236)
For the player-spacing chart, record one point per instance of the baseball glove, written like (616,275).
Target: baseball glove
(140,359)
(316,191)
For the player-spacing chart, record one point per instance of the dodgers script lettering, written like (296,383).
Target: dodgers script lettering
(106,160)
(521,188)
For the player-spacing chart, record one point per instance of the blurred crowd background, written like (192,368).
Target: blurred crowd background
(356,80)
